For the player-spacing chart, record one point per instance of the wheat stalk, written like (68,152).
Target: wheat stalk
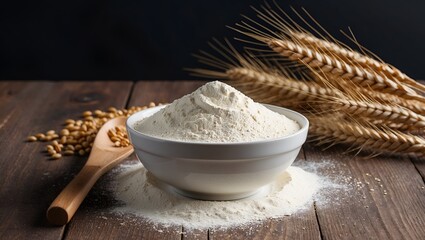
(281,96)
(368,94)
(356,99)
(277,85)
(364,137)
(256,92)
(349,55)
(385,98)
(389,113)
(268,88)
(338,68)
(361,102)
(386,124)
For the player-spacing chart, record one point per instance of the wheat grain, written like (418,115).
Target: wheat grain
(78,135)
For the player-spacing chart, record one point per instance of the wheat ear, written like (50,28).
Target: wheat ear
(380,97)
(382,123)
(364,137)
(385,98)
(368,103)
(336,67)
(350,55)
(277,85)
(271,88)
(390,113)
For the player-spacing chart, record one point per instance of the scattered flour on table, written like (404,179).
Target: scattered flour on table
(139,195)
(217,112)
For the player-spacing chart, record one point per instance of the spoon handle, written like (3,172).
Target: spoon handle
(66,204)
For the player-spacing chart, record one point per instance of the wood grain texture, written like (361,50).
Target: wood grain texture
(92,224)
(29,180)
(301,225)
(420,166)
(192,234)
(383,197)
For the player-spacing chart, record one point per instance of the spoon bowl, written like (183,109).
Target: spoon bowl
(103,156)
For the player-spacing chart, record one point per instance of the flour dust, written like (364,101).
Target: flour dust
(140,195)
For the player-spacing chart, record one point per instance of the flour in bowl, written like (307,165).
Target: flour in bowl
(216,112)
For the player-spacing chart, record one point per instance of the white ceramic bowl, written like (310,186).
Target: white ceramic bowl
(217,171)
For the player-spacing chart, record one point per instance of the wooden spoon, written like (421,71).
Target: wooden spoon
(104,156)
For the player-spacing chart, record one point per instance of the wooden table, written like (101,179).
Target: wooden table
(29,181)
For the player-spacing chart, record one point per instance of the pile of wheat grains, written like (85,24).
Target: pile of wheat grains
(77,135)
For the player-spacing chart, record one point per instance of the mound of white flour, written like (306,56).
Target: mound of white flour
(216,112)
(139,194)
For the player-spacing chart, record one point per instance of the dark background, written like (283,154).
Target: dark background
(123,39)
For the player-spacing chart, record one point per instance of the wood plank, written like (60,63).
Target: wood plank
(189,234)
(420,165)
(9,91)
(394,209)
(29,180)
(297,226)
